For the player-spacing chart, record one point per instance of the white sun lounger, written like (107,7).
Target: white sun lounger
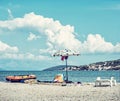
(99,82)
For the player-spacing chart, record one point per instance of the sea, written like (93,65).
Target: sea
(75,76)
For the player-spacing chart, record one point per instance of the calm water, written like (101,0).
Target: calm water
(83,76)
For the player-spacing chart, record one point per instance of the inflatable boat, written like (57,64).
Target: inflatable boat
(20,78)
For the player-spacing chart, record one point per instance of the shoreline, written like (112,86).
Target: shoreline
(50,92)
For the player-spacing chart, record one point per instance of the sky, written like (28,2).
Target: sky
(31,31)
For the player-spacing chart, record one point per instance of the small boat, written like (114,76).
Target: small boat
(20,78)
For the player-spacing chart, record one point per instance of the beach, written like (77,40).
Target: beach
(52,92)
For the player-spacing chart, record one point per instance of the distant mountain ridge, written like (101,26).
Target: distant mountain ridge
(59,67)
(106,65)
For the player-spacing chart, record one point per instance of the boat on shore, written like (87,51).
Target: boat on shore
(20,78)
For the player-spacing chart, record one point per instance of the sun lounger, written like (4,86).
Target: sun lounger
(100,82)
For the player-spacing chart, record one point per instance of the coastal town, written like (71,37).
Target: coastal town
(106,65)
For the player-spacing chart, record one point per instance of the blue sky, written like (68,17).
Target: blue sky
(30,31)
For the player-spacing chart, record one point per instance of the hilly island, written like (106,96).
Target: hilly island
(105,65)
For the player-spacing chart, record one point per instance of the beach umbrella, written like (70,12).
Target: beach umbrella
(64,54)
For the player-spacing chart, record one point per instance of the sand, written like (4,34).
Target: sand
(45,92)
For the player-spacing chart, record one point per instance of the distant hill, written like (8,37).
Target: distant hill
(60,67)
(106,65)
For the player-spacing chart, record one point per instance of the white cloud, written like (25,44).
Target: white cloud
(10,14)
(12,52)
(49,50)
(117,48)
(25,56)
(58,36)
(7,48)
(32,37)
(95,43)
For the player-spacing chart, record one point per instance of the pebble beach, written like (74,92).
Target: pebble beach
(51,92)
